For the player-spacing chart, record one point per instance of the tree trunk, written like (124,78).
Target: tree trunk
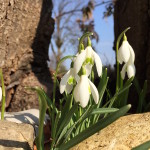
(25,32)
(136,14)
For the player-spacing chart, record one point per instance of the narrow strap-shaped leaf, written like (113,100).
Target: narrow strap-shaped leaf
(49,101)
(137,85)
(67,118)
(95,128)
(123,94)
(102,86)
(42,108)
(118,94)
(144,146)
(54,129)
(83,117)
(142,97)
(66,108)
(103,110)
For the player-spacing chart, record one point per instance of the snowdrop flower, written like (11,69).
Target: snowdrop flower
(87,66)
(83,89)
(0,93)
(126,55)
(87,58)
(68,80)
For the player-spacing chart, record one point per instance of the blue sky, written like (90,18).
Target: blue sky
(105,29)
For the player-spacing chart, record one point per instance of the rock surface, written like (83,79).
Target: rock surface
(124,134)
(30,116)
(15,136)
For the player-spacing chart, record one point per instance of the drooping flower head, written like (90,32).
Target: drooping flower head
(83,89)
(87,58)
(68,80)
(126,55)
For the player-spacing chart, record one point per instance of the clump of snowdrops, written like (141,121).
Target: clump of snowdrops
(82,111)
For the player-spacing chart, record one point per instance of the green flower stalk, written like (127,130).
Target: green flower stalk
(3,95)
(87,34)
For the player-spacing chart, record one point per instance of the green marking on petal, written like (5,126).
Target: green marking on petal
(71,80)
(89,90)
(89,60)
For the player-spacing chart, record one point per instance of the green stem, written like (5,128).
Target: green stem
(117,82)
(54,88)
(87,34)
(117,47)
(3,95)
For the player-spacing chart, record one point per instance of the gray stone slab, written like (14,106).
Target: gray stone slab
(14,136)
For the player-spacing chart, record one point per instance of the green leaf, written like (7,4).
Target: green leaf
(82,118)
(66,108)
(123,96)
(54,129)
(102,86)
(42,108)
(65,122)
(49,101)
(142,97)
(112,100)
(103,110)
(137,86)
(95,128)
(144,146)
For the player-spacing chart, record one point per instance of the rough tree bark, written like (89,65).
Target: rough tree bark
(25,32)
(136,14)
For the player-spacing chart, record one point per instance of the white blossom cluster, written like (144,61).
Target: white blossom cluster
(77,77)
(82,85)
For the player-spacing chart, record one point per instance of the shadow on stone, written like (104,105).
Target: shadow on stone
(15,144)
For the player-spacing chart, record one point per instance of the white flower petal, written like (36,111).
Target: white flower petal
(98,63)
(124,52)
(123,71)
(132,54)
(77,78)
(79,61)
(69,88)
(89,51)
(94,92)
(88,68)
(81,92)
(131,70)
(64,81)
(119,58)
(0,93)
